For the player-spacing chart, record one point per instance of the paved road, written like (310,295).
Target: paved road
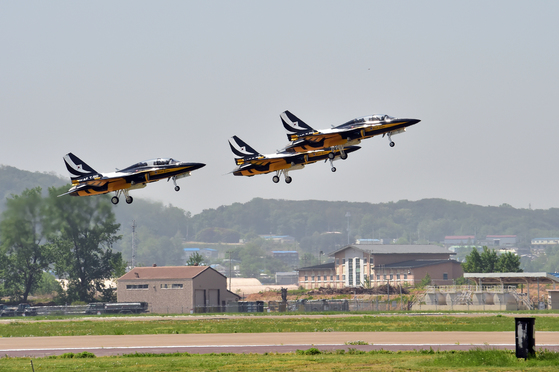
(264,342)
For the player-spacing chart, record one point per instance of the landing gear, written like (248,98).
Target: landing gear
(286,176)
(174,178)
(332,167)
(332,154)
(390,139)
(118,193)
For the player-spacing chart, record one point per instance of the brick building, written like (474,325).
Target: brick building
(175,289)
(394,264)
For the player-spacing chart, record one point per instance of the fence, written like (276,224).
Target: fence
(306,306)
(61,310)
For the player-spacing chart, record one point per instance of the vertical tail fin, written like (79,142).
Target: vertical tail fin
(241,149)
(78,168)
(293,125)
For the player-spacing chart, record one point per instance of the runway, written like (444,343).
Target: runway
(264,342)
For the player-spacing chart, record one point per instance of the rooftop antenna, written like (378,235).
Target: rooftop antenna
(133,243)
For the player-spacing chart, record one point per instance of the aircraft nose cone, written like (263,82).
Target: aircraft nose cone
(412,121)
(195,166)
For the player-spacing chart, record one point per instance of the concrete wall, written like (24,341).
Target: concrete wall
(553,295)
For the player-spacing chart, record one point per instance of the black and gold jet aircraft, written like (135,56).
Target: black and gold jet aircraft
(303,137)
(250,162)
(87,181)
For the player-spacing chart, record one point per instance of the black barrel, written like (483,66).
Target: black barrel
(525,333)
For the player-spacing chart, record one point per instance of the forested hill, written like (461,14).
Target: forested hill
(428,220)
(14,181)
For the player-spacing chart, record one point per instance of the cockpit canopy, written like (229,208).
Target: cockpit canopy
(151,163)
(375,118)
(162,161)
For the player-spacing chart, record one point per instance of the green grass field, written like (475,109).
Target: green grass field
(362,323)
(303,360)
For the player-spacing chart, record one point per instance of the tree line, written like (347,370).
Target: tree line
(69,237)
(408,222)
(488,261)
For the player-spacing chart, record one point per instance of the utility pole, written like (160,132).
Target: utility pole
(230,272)
(133,243)
(348,215)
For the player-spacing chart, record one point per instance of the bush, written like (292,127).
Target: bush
(311,351)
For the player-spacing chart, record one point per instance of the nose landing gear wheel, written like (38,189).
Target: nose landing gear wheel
(288,179)
(392,144)
(333,169)
(275,179)
(129,199)
(177,188)
(343,155)
(114,200)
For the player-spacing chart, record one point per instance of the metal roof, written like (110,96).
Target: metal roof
(329,265)
(416,263)
(164,272)
(396,249)
(513,278)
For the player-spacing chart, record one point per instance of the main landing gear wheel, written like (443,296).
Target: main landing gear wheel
(177,188)
(129,199)
(114,200)
(331,155)
(392,144)
(333,169)
(275,179)
(343,155)
(288,179)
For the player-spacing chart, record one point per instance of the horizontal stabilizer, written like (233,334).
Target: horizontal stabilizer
(241,149)
(294,125)
(74,190)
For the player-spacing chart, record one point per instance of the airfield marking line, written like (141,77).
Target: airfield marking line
(280,339)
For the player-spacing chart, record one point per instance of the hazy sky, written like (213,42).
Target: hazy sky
(120,82)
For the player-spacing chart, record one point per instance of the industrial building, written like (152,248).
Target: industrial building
(542,243)
(290,258)
(494,291)
(175,289)
(459,240)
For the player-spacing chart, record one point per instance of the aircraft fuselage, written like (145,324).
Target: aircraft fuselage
(343,135)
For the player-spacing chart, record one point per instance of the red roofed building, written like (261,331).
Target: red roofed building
(175,289)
